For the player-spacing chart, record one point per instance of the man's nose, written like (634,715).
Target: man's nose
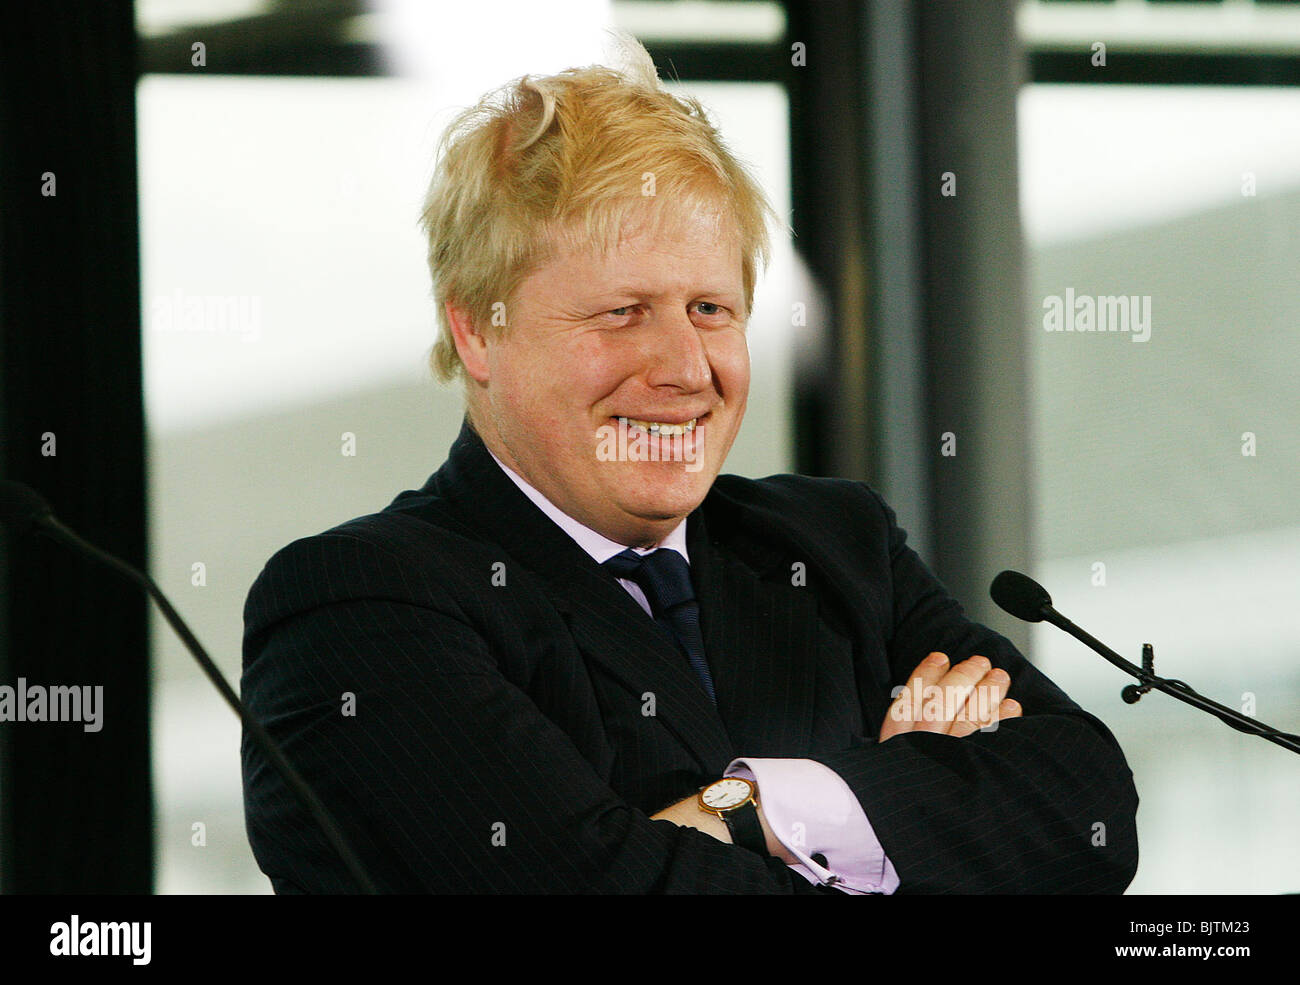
(678,356)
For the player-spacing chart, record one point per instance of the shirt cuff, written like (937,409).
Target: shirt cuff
(813,812)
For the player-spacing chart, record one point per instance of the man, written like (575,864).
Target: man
(520,677)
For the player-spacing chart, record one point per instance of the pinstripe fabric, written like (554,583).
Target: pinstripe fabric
(665,578)
(516,716)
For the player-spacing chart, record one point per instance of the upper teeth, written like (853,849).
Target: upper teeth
(655,427)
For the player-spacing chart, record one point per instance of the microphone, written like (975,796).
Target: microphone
(22,506)
(1020,595)
(1025,599)
(23,509)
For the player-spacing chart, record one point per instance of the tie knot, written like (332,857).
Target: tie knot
(663,575)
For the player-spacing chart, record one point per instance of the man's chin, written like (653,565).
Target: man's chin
(661,511)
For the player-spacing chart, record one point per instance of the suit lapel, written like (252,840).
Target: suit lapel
(608,626)
(616,633)
(758,632)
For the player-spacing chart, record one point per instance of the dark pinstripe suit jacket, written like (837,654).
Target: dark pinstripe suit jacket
(500,737)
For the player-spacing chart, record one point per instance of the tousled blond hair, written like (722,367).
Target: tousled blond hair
(569,159)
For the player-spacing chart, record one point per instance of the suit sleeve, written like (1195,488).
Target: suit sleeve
(1044,803)
(443,775)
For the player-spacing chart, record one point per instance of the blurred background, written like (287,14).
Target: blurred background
(231,280)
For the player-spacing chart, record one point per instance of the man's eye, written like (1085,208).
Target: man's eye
(707,308)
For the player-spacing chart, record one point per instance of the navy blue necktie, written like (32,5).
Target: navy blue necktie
(665,577)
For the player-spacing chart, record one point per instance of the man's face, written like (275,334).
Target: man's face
(654,332)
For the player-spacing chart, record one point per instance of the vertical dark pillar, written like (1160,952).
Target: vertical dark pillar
(976,333)
(927,334)
(833,425)
(75,806)
(898,386)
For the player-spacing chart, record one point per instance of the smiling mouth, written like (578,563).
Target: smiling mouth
(666,429)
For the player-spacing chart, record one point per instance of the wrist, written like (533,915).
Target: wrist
(710,823)
(688,814)
(736,802)
(733,800)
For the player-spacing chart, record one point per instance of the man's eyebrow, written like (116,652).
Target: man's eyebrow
(640,290)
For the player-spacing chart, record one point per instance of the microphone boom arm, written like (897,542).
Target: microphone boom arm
(1025,599)
(48,524)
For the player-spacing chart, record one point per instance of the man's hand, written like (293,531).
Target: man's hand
(955,702)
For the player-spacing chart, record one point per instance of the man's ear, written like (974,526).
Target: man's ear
(470,343)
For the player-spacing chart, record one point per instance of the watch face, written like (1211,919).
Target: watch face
(726,794)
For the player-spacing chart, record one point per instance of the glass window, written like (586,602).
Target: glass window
(1167,447)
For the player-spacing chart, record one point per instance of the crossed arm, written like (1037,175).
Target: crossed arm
(953,701)
(453,778)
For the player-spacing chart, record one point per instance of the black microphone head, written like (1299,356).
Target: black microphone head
(20,505)
(1020,595)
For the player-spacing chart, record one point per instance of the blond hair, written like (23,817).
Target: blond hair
(568,158)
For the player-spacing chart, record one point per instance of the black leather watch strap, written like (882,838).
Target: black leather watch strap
(746,829)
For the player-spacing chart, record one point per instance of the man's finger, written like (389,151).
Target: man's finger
(901,715)
(942,705)
(983,703)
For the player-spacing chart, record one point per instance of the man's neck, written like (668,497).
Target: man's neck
(599,546)
(660,535)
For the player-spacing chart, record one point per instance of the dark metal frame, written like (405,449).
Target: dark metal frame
(76,807)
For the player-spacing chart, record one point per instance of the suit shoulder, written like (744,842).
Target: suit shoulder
(835,522)
(800,498)
(404,553)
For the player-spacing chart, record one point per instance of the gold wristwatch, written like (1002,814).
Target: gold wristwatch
(735,800)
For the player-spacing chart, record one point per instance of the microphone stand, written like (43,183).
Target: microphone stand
(1132,693)
(48,524)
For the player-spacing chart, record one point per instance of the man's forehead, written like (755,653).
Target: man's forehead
(647,230)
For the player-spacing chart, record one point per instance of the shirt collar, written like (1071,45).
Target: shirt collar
(600,547)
